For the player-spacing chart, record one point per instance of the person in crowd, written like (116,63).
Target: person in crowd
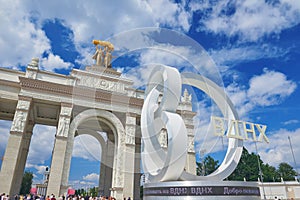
(52,197)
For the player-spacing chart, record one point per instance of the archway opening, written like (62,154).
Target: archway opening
(85,164)
(95,149)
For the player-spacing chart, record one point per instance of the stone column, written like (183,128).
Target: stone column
(137,170)
(190,165)
(191,158)
(187,114)
(17,149)
(57,185)
(103,166)
(130,128)
(119,163)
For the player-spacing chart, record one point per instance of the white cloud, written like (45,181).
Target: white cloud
(245,98)
(189,58)
(40,148)
(204,135)
(40,168)
(251,20)
(41,145)
(22,37)
(54,62)
(91,177)
(79,184)
(278,150)
(170,14)
(269,88)
(292,121)
(87,147)
(238,54)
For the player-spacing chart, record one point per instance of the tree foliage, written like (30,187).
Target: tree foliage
(208,166)
(26,183)
(286,172)
(248,168)
(270,173)
(93,192)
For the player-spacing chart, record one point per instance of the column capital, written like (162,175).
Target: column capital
(24,98)
(129,114)
(60,137)
(66,110)
(64,104)
(63,126)
(20,120)
(130,119)
(130,134)
(24,103)
(191,145)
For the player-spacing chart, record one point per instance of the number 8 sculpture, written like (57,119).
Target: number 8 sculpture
(169,166)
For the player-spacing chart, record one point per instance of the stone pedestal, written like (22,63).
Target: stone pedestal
(205,190)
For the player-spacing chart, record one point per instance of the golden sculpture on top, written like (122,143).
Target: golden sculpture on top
(103,56)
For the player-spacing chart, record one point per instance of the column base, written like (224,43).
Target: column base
(117,192)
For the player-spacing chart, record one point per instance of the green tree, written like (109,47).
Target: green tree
(26,183)
(93,191)
(247,167)
(210,165)
(286,171)
(269,173)
(198,168)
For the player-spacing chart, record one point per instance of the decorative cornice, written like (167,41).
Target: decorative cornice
(67,90)
(63,104)
(9,83)
(102,74)
(186,113)
(95,68)
(25,98)
(12,71)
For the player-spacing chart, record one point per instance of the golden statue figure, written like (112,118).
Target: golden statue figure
(99,55)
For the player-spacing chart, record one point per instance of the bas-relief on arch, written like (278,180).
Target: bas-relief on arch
(118,130)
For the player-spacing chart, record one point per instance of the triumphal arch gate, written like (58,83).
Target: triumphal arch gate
(91,101)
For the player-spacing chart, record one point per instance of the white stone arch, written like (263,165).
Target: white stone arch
(118,130)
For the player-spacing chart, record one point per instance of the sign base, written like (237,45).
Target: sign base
(208,190)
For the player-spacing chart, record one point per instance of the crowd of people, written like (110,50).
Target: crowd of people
(52,197)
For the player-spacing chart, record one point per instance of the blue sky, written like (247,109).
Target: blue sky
(254,44)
